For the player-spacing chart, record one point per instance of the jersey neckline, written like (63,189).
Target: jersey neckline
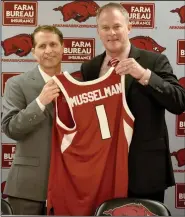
(83,83)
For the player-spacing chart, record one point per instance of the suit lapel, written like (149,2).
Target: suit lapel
(38,83)
(96,66)
(36,80)
(100,62)
(134,53)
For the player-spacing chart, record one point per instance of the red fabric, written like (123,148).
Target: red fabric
(113,62)
(91,169)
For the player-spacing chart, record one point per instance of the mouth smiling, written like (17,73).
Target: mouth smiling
(49,58)
(113,40)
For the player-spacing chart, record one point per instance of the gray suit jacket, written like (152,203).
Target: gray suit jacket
(24,122)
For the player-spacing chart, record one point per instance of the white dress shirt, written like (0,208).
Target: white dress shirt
(46,78)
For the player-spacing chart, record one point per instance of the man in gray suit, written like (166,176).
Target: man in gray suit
(27,118)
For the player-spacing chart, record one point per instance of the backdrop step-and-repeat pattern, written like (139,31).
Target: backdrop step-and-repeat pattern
(158,26)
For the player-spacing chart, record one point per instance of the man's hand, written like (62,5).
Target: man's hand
(130,66)
(49,92)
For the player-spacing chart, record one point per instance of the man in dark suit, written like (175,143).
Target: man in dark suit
(27,118)
(151,87)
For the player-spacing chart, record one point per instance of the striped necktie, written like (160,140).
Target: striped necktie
(113,62)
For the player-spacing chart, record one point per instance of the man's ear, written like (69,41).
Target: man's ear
(129,27)
(33,52)
(98,32)
(63,46)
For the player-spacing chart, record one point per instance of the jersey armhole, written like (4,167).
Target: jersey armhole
(64,116)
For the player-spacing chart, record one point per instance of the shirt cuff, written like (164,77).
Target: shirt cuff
(42,107)
(145,78)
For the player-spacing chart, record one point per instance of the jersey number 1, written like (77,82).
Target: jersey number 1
(102,117)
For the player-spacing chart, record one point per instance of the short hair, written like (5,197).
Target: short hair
(47,28)
(113,5)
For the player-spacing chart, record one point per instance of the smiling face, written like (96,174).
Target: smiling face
(48,50)
(113,30)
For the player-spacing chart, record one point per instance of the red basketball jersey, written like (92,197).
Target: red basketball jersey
(92,131)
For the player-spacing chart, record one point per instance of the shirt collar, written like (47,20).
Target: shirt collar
(45,76)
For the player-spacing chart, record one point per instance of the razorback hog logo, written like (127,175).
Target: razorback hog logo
(4,196)
(20,45)
(78,10)
(180,157)
(147,43)
(182,81)
(181,13)
(131,209)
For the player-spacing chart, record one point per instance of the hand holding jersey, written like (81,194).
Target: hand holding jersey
(130,66)
(49,92)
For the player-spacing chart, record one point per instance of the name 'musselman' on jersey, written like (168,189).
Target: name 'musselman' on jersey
(96,95)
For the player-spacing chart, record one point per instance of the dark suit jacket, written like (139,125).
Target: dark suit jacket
(150,166)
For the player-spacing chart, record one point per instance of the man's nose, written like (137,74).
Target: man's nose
(112,32)
(48,49)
